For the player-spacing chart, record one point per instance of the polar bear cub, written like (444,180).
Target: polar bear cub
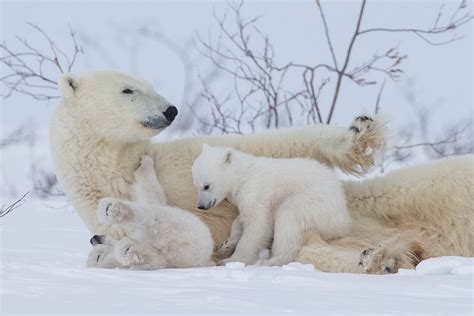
(277,198)
(160,236)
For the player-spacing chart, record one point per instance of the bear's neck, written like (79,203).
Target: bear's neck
(85,159)
(242,167)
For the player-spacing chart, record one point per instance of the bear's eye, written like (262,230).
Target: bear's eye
(127,91)
(206,187)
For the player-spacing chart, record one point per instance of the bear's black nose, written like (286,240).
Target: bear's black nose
(171,113)
(96,239)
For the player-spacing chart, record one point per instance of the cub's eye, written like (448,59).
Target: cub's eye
(206,187)
(127,91)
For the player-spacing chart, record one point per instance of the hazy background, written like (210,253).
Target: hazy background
(436,79)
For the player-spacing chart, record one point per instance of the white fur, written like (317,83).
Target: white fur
(160,236)
(277,198)
(92,164)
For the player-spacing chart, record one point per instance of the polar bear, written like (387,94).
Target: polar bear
(104,121)
(160,236)
(277,199)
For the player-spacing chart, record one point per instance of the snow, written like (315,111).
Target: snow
(44,247)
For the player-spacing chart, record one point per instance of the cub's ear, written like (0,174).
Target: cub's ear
(228,157)
(205,146)
(68,85)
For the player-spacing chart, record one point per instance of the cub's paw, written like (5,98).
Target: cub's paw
(377,260)
(127,253)
(110,211)
(146,166)
(227,247)
(223,262)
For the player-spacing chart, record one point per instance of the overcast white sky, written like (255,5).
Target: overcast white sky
(441,77)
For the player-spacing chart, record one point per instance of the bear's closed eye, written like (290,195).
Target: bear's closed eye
(127,91)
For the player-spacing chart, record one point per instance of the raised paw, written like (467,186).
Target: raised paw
(146,164)
(127,253)
(363,124)
(111,211)
(368,137)
(378,261)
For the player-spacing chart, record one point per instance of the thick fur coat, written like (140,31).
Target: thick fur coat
(99,133)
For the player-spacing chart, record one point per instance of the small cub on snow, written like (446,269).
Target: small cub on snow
(278,199)
(160,236)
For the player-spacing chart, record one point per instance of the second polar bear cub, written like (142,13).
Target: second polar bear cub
(277,198)
(160,235)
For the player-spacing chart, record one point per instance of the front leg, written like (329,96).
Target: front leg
(255,237)
(139,255)
(228,246)
(351,149)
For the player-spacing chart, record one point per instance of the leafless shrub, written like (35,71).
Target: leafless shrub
(260,97)
(8,209)
(33,72)
(424,138)
(21,135)
(46,183)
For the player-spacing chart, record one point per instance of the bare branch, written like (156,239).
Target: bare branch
(8,209)
(25,68)
(243,52)
(454,23)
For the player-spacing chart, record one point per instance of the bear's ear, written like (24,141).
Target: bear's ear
(205,147)
(68,85)
(228,157)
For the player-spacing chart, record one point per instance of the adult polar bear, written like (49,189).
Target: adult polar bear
(103,126)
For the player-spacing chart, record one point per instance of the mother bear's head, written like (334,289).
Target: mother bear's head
(114,106)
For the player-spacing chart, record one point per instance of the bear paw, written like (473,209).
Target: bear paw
(376,261)
(227,247)
(127,254)
(368,137)
(147,165)
(111,210)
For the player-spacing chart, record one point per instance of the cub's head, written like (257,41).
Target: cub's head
(116,107)
(102,254)
(211,175)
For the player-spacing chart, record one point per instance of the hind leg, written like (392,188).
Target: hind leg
(287,240)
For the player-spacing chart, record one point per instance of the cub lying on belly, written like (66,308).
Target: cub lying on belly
(278,199)
(161,236)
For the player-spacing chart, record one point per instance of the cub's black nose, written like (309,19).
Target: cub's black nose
(96,239)
(171,113)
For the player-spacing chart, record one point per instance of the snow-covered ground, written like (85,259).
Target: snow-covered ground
(44,247)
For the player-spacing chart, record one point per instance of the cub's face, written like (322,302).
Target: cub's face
(210,176)
(116,107)
(102,256)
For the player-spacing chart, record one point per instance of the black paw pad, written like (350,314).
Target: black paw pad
(355,129)
(364,118)
(107,209)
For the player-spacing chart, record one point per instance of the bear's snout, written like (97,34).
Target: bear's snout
(207,206)
(170,113)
